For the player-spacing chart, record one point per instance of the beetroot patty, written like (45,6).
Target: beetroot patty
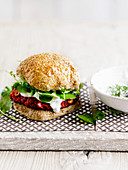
(34,103)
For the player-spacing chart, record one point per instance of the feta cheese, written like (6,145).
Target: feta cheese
(56,104)
(36,95)
(26,94)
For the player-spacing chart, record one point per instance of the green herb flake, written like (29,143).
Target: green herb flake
(119,91)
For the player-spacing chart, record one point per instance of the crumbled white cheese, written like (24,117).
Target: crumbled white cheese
(56,104)
(26,94)
(36,95)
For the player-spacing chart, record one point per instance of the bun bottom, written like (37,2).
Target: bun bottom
(43,115)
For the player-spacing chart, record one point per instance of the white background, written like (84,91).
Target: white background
(75,10)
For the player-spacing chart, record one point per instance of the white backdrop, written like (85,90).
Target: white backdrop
(83,10)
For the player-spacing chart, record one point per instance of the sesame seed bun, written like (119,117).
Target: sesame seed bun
(42,115)
(49,71)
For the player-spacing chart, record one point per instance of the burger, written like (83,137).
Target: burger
(47,86)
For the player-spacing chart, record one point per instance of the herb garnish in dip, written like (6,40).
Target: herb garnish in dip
(118,90)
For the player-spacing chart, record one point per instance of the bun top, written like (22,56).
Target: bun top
(49,71)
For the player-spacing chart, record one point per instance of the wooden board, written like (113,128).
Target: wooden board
(109,141)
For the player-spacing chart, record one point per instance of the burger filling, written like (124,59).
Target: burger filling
(27,95)
(33,102)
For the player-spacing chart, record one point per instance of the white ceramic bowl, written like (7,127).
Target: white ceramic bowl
(108,77)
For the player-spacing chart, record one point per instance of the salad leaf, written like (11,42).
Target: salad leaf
(23,88)
(6,92)
(98,114)
(16,84)
(32,92)
(88,118)
(66,94)
(45,98)
(64,90)
(69,96)
(80,86)
(76,92)
(6,104)
(59,93)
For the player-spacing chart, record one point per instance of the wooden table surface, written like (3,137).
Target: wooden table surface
(92,47)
